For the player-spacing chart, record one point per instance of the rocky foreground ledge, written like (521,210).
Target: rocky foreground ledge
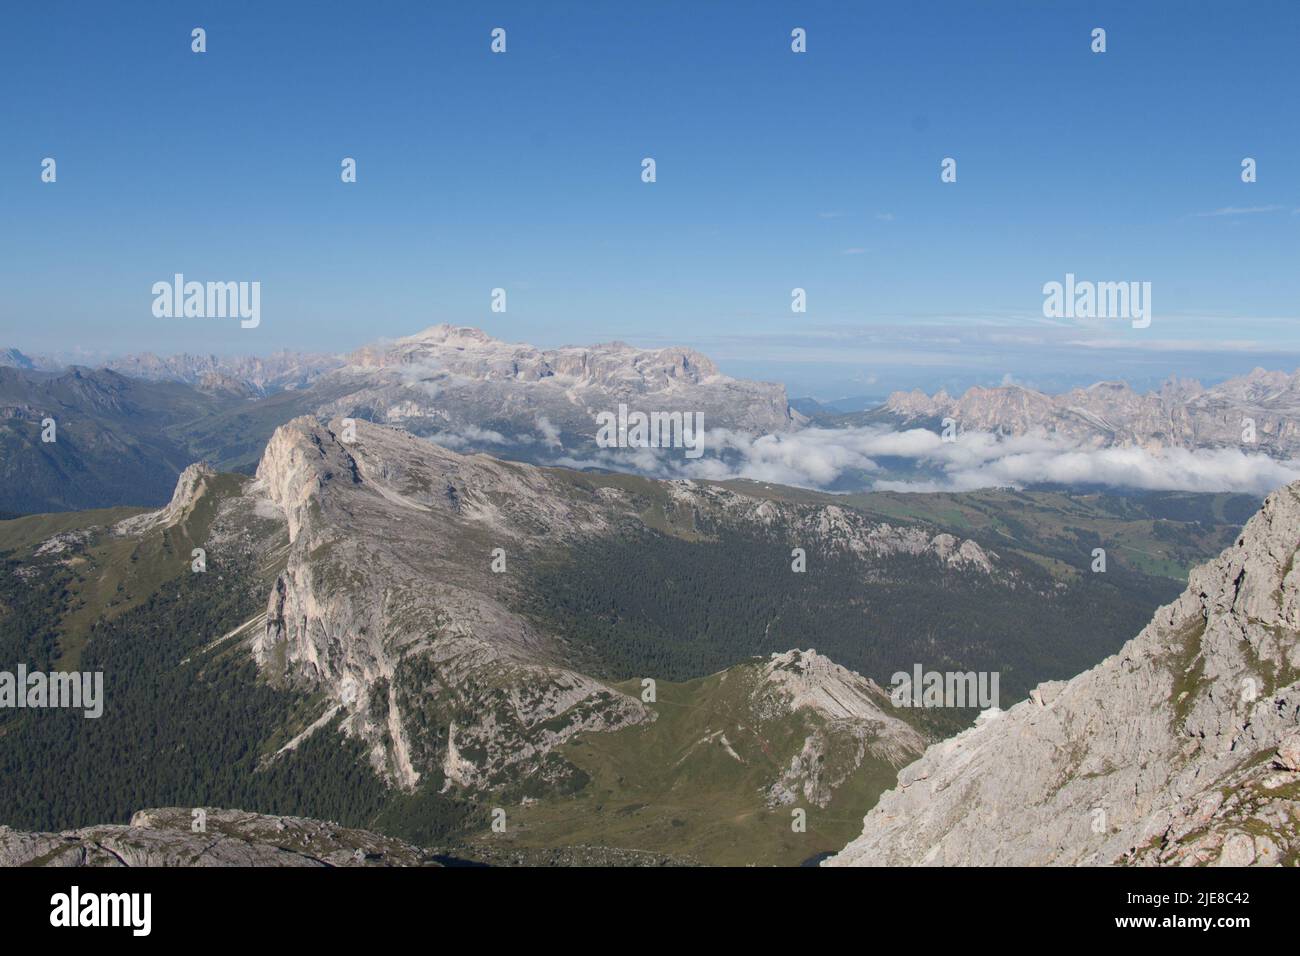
(1182,749)
(166,837)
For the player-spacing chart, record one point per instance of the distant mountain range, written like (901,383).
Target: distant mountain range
(243,375)
(450,378)
(467,389)
(114,440)
(126,430)
(1255,412)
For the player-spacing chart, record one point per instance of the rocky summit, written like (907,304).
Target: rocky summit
(1181,749)
(471,390)
(129,426)
(389,602)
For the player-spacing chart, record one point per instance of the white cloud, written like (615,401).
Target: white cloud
(1174,469)
(469,435)
(550,433)
(1240,211)
(818,457)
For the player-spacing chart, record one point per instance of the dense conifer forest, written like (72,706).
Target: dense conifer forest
(647,603)
(180,726)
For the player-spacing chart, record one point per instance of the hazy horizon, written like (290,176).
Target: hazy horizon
(857,374)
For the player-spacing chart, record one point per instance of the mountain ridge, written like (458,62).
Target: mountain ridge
(1183,413)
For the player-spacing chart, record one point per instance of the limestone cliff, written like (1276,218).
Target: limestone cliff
(1183,748)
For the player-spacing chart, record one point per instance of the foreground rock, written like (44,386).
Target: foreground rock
(165,837)
(230,838)
(1182,749)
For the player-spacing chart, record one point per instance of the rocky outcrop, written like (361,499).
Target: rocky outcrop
(171,837)
(190,487)
(854,721)
(834,527)
(181,837)
(1180,749)
(390,604)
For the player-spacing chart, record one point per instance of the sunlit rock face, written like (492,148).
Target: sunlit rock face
(1182,749)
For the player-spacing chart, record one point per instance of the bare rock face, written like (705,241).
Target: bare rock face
(389,602)
(1288,754)
(798,679)
(169,837)
(1182,414)
(1180,749)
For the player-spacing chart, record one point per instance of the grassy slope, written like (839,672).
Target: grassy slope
(115,574)
(672,786)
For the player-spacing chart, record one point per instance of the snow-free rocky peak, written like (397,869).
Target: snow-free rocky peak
(470,390)
(388,603)
(1181,414)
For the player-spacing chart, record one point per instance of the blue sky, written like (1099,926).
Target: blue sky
(775,170)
